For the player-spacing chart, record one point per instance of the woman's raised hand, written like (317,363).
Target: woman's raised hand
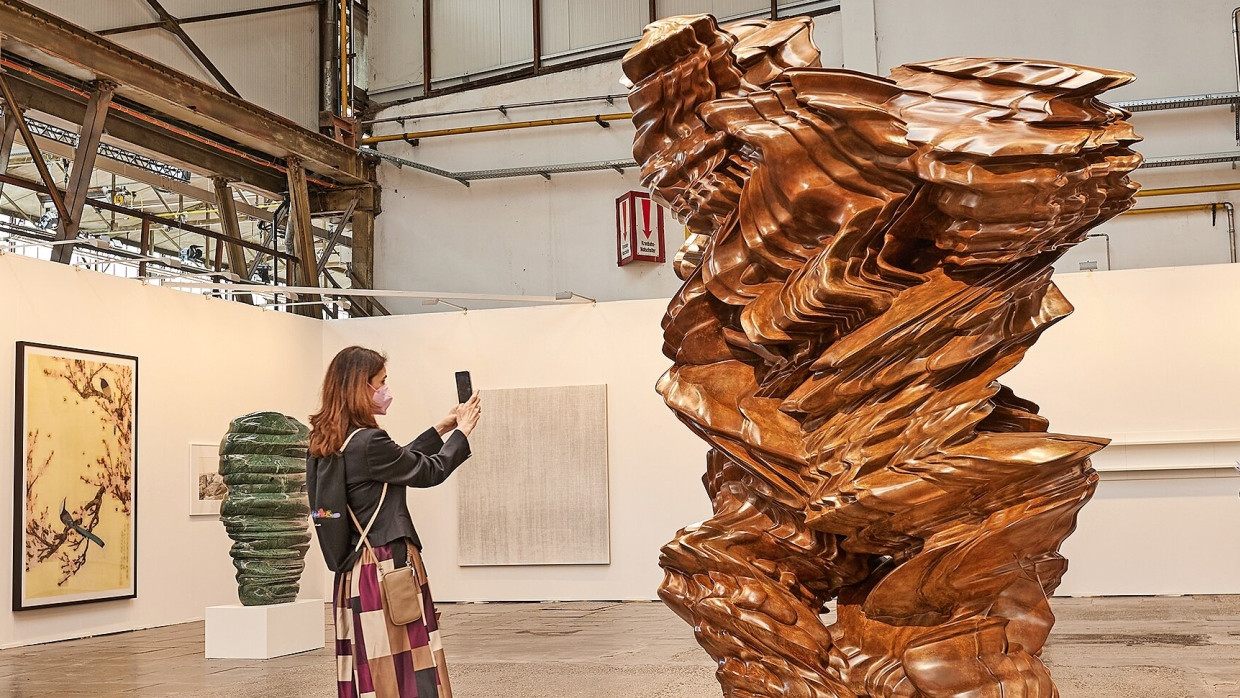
(448,423)
(467,414)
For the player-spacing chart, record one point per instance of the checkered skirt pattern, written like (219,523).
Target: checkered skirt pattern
(374,658)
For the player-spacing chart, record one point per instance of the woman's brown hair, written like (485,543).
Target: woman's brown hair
(347,399)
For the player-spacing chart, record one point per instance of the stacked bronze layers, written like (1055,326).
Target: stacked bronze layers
(869,256)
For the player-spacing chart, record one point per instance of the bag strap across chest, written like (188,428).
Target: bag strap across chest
(369,524)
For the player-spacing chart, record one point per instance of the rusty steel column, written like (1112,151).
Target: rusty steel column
(144,245)
(7,136)
(231,226)
(83,166)
(299,225)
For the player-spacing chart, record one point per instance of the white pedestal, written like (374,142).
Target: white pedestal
(263,632)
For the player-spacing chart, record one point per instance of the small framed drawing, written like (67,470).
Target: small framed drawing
(206,486)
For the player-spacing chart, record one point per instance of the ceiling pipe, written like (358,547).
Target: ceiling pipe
(600,119)
(344,59)
(1235,42)
(1194,159)
(1211,207)
(1196,189)
(502,108)
(544,171)
(1180,102)
(1108,245)
(1235,47)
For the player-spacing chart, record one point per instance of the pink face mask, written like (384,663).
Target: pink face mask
(383,400)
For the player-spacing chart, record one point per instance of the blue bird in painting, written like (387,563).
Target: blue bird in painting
(67,519)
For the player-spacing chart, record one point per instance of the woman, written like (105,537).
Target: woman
(374,656)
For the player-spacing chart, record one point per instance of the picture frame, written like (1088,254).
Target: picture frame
(75,476)
(206,486)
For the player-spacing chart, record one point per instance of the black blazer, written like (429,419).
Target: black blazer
(372,458)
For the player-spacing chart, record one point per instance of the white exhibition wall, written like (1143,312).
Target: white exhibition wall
(1146,360)
(655,464)
(201,362)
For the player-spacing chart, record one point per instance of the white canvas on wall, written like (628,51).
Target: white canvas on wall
(206,486)
(535,490)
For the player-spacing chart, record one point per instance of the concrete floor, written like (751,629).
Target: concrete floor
(1176,647)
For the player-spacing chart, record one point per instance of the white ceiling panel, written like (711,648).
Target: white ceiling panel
(271,59)
(96,16)
(165,48)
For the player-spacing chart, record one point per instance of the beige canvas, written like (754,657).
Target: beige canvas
(535,490)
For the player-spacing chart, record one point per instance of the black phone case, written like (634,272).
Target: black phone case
(464,386)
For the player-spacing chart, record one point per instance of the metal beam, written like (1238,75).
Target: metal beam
(299,223)
(538,37)
(170,92)
(362,268)
(143,215)
(10,103)
(232,228)
(331,242)
(83,167)
(6,143)
(209,18)
(21,212)
(144,245)
(173,26)
(123,127)
(426,48)
(138,174)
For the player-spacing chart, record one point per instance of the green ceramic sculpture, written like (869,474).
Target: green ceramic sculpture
(266,513)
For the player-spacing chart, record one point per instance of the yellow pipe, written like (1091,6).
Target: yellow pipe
(494,127)
(1171,209)
(1199,189)
(344,58)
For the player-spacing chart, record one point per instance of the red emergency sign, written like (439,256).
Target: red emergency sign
(639,229)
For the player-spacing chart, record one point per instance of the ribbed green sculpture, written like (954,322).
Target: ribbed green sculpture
(266,513)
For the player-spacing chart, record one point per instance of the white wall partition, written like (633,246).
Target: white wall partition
(1146,360)
(655,464)
(201,362)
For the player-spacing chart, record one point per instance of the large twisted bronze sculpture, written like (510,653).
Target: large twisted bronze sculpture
(869,256)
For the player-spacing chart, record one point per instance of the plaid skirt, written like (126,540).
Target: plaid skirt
(375,659)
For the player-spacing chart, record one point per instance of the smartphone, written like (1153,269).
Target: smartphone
(464,386)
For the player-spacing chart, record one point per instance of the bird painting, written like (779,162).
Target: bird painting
(67,519)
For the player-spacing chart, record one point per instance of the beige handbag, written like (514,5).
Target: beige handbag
(402,599)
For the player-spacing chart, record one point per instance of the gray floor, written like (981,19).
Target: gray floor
(1102,648)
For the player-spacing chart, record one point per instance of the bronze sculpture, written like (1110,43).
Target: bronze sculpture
(868,256)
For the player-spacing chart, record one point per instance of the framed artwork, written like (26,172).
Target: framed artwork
(74,532)
(206,486)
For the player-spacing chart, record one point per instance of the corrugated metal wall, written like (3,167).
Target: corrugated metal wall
(479,38)
(569,25)
(719,8)
(395,56)
(476,36)
(272,59)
